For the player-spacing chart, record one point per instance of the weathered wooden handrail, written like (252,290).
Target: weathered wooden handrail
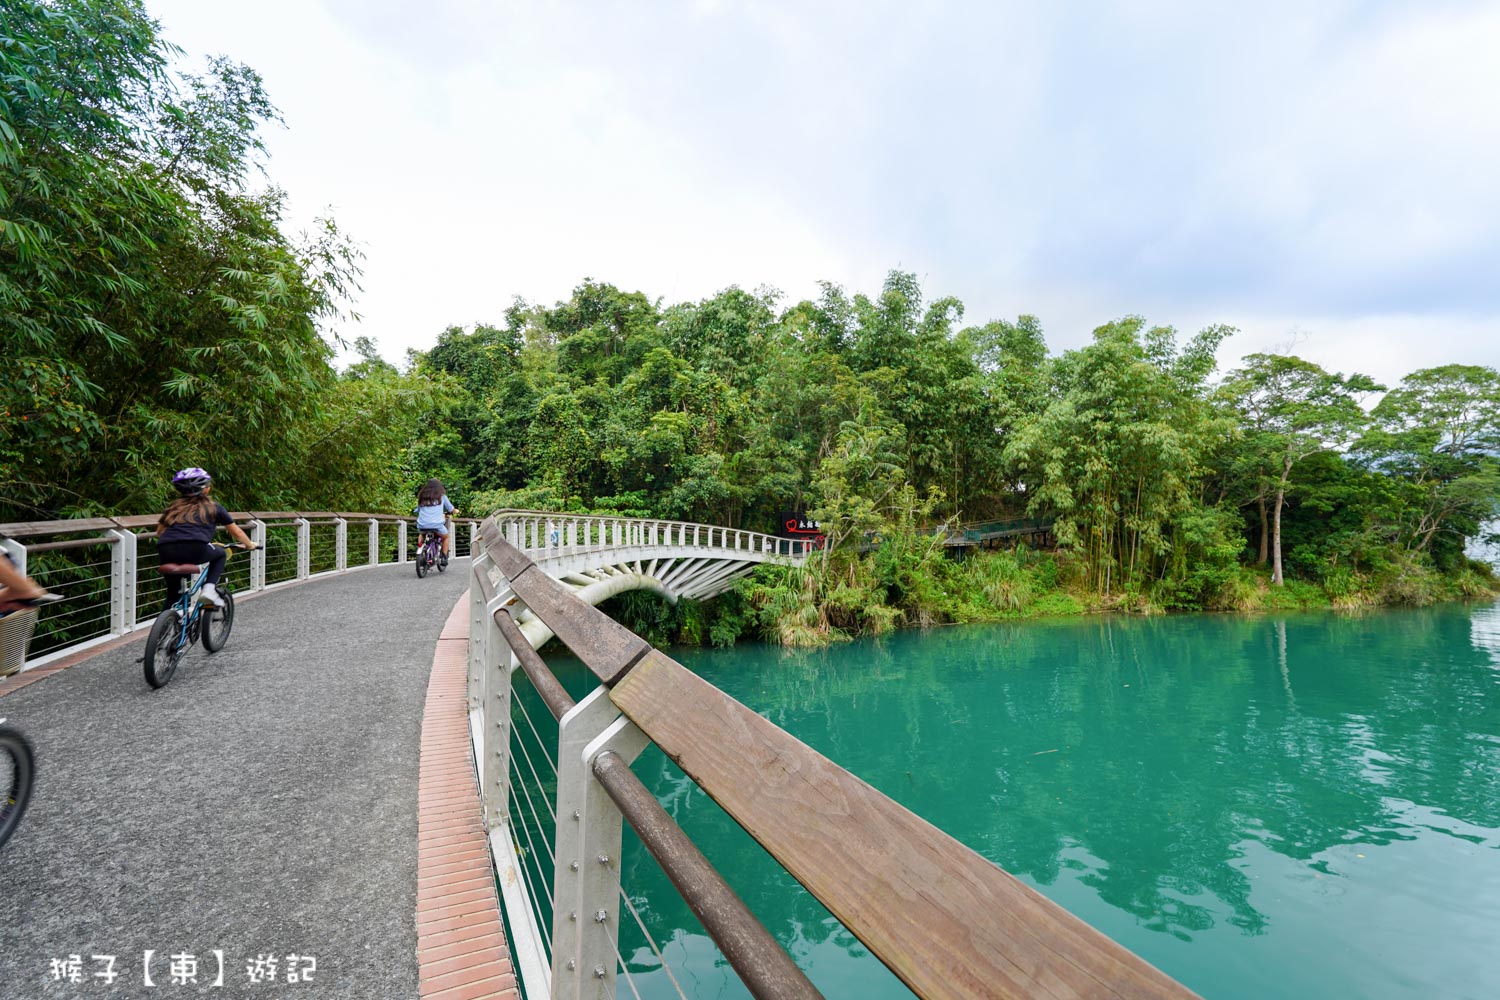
(762,964)
(943,918)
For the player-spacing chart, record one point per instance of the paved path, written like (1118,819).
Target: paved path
(263,803)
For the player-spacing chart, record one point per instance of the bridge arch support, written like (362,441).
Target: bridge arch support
(603,557)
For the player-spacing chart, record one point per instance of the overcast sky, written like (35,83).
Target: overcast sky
(1322,173)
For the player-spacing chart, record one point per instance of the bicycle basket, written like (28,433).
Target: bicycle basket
(16,629)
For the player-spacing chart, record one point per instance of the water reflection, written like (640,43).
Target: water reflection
(1184,784)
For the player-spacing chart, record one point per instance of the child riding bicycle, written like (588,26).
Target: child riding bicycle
(187,527)
(433,508)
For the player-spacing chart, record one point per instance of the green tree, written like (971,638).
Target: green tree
(1293,409)
(1439,434)
(1118,456)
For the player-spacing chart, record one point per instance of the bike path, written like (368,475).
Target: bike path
(263,804)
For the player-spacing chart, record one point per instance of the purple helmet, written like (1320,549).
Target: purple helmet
(191,481)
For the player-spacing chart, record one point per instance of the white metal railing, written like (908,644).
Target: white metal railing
(555,833)
(555,837)
(105,568)
(539,533)
(947,921)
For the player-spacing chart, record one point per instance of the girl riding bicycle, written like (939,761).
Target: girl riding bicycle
(188,526)
(433,508)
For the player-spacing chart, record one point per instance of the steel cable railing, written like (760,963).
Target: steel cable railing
(105,569)
(529,781)
(83,613)
(656,950)
(533,833)
(945,920)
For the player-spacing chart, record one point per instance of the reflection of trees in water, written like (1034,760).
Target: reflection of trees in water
(1178,742)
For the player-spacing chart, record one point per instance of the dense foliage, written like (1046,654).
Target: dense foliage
(153,313)
(1168,483)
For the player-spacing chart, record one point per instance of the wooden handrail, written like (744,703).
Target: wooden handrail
(763,965)
(947,921)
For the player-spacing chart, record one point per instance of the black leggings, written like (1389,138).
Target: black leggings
(190,552)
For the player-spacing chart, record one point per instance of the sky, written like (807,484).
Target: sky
(1320,176)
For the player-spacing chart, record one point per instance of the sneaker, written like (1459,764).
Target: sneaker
(210,595)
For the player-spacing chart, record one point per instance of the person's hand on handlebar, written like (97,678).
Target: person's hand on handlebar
(238,534)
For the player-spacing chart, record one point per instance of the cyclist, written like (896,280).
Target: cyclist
(433,508)
(188,525)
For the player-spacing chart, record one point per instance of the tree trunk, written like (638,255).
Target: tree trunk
(1276,577)
(1265,532)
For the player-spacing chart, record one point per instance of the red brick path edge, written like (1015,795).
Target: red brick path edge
(461,949)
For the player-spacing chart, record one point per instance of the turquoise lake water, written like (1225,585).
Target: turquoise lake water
(1302,806)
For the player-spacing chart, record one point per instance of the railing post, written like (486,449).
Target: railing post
(304,548)
(340,544)
(401,541)
(594,892)
(374,542)
(258,554)
(478,634)
(17,553)
(494,689)
(475,545)
(121,581)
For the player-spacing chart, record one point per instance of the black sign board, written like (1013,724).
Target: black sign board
(795,524)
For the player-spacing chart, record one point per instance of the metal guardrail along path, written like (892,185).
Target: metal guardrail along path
(105,567)
(948,922)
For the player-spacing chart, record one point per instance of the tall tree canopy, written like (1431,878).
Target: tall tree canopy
(154,313)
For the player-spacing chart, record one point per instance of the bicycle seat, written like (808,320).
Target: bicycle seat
(178,569)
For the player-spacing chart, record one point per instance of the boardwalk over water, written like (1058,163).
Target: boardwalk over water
(263,803)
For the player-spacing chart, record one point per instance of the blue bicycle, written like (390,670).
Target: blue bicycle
(185,622)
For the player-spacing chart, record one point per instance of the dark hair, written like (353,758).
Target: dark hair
(195,507)
(431,493)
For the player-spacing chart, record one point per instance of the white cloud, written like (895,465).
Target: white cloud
(1325,167)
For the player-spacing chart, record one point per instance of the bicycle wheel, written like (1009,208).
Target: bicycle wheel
(218,621)
(17,769)
(421,561)
(442,560)
(164,648)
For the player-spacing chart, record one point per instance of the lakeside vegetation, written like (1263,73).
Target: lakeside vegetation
(156,314)
(1170,486)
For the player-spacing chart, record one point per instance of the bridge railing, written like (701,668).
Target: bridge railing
(105,567)
(945,920)
(544,532)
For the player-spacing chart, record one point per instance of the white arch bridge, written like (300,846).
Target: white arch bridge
(601,557)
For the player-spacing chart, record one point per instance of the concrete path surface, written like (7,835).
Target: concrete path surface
(258,812)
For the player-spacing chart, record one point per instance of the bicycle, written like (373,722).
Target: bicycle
(430,553)
(185,622)
(17,774)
